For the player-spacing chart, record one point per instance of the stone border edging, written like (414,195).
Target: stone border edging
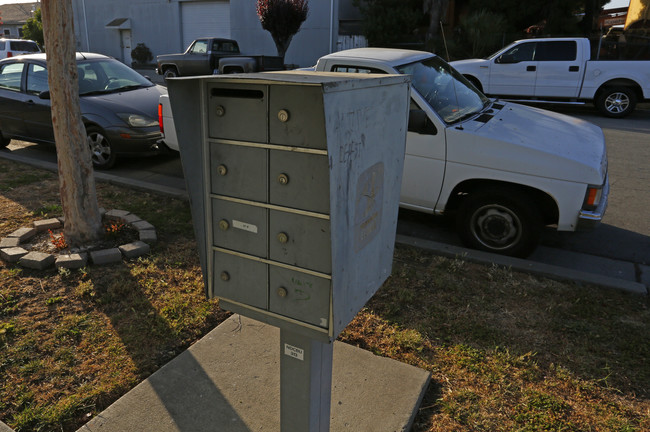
(11,250)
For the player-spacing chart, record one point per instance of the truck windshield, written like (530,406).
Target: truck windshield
(446,91)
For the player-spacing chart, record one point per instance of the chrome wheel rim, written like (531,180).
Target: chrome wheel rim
(100,149)
(617,102)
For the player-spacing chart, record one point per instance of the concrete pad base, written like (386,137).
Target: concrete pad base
(229,381)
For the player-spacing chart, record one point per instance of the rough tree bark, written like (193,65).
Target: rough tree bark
(83,224)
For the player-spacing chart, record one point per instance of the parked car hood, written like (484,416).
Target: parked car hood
(469,64)
(138,101)
(533,141)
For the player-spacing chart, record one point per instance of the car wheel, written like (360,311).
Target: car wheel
(505,222)
(101,151)
(616,101)
(170,73)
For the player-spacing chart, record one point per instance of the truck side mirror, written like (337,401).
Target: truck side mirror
(44,94)
(419,123)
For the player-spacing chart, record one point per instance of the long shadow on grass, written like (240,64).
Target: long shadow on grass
(182,393)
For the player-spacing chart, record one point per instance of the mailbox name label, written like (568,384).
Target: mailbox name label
(295,352)
(244,226)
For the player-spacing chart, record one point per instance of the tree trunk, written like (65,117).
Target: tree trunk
(83,224)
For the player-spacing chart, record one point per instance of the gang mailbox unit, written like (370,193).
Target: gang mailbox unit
(294,181)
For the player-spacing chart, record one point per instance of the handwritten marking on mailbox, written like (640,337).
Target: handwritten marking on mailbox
(295,352)
(244,226)
(369,201)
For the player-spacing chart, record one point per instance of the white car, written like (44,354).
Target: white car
(14,47)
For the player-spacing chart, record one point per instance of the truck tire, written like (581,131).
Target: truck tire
(502,221)
(101,151)
(616,102)
(170,72)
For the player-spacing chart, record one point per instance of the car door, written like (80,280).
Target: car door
(558,69)
(514,72)
(12,100)
(426,151)
(38,113)
(196,60)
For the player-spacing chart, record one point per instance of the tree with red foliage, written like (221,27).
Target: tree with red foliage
(282,18)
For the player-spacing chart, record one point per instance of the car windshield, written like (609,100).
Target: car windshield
(444,89)
(108,76)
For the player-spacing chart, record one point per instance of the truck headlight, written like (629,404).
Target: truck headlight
(137,120)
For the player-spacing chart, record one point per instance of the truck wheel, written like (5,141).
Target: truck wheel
(101,150)
(505,222)
(170,72)
(616,101)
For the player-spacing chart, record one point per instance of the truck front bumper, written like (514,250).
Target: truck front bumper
(588,220)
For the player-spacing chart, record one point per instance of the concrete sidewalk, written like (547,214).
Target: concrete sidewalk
(229,381)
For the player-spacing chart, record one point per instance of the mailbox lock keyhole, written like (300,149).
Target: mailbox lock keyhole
(220,111)
(283,238)
(224,225)
(222,170)
(283,179)
(225,276)
(283,116)
(282,292)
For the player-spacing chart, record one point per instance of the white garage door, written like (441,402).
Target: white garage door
(205,18)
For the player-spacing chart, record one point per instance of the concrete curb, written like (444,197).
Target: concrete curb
(539,269)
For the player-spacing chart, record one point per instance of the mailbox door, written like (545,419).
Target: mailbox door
(299,180)
(237,112)
(240,227)
(300,240)
(240,280)
(299,296)
(239,171)
(296,116)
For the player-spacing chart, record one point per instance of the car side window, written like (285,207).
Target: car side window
(36,79)
(11,75)
(355,69)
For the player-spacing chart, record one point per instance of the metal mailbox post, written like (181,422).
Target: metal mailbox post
(294,182)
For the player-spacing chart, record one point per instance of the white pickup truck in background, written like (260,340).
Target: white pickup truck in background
(504,170)
(560,70)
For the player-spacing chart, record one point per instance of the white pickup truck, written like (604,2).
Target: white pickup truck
(560,70)
(504,170)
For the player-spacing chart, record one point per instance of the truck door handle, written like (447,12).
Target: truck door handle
(574,68)
(531,68)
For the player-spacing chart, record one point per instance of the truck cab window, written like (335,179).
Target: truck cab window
(556,51)
(199,47)
(356,69)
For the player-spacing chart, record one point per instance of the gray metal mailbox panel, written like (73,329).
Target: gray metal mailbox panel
(299,296)
(296,116)
(240,280)
(240,227)
(301,241)
(237,112)
(239,171)
(299,180)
